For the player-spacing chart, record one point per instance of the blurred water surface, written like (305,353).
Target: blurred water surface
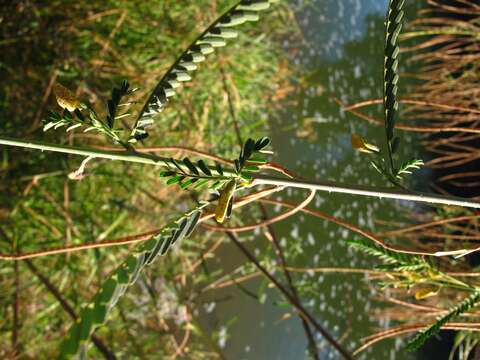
(342,58)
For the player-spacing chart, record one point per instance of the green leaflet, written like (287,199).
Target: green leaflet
(393,27)
(395,261)
(95,313)
(89,118)
(455,311)
(114,102)
(408,167)
(186,173)
(216,35)
(249,148)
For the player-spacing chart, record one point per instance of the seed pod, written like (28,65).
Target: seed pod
(225,198)
(65,98)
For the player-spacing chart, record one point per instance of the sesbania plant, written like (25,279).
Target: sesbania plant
(425,279)
(76,114)
(245,172)
(407,271)
(384,161)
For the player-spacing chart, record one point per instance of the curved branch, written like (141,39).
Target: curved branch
(428,224)
(405,329)
(362,232)
(420,129)
(411,102)
(151,159)
(267,222)
(129,239)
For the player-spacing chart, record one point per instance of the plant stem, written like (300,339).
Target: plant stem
(57,294)
(312,345)
(15,308)
(129,156)
(328,186)
(333,187)
(98,342)
(293,301)
(448,31)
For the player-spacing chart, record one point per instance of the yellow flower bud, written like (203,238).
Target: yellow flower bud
(65,98)
(426,292)
(412,276)
(246,183)
(361,145)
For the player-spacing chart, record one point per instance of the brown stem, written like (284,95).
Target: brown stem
(428,224)
(203,154)
(107,353)
(265,222)
(421,129)
(405,329)
(411,102)
(219,284)
(299,307)
(15,306)
(312,346)
(349,226)
(130,239)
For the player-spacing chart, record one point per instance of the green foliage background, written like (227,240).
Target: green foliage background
(90,47)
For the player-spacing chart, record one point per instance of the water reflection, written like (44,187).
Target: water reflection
(343,59)
(329,25)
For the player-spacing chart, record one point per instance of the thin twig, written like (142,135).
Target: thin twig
(270,234)
(428,224)
(290,298)
(265,222)
(420,129)
(412,102)
(107,353)
(130,239)
(327,186)
(405,329)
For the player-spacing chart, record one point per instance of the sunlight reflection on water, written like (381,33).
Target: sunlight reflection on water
(343,58)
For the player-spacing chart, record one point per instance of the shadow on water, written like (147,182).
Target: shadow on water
(342,58)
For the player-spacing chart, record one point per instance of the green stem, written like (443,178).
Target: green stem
(327,186)
(452,285)
(392,165)
(455,282)
(127,156)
